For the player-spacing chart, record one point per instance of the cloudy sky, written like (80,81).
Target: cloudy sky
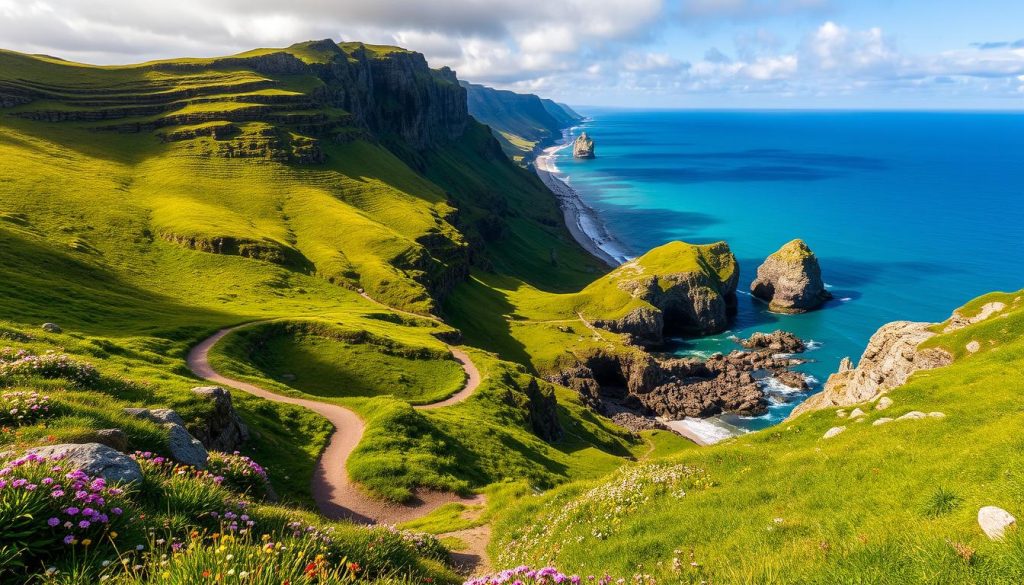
(642,53)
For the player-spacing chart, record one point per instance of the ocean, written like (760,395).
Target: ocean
(910,214)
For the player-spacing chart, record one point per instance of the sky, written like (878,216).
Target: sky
(864,54)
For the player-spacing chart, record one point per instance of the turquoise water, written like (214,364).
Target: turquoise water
(910,214)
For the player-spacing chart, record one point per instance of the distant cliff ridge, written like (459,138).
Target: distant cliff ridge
(522,123)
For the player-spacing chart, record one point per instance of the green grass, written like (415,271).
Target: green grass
(889,504)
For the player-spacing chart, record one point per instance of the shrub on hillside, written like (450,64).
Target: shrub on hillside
(239,473)
(23,408)
(21,364)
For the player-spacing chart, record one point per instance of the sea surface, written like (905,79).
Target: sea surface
(910,214)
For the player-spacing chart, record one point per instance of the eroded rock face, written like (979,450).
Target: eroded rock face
(543,409)
(222,429)
(94,459)
(790,280)
(695,301)
(888,361)
(583,146)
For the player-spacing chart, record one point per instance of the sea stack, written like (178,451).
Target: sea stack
(583,147)
(790,280)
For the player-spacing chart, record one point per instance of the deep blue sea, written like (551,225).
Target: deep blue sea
(910,214)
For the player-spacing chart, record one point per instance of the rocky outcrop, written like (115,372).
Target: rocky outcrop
(790,280)
(778,341)
(222,429)
(681,288)
(182,446)
(958,320)
(94,459)
(543,412)
(583,146)
(52,328)
(891,356)
(114,438)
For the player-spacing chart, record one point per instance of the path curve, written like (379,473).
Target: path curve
(335,494)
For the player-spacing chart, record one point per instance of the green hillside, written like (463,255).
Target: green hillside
(892,503)
(522,123)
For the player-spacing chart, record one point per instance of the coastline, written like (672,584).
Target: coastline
(582,221)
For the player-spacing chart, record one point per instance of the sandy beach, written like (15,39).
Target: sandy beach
(584,224)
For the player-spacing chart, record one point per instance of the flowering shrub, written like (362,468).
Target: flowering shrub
(23,408)
(16,364)
(239,473)
(45,508)
(233,471)
(425,544)
(597,512)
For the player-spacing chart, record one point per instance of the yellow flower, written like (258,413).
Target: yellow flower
(86,541)
(113,535)
(166,574)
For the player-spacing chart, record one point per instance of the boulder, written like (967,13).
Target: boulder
(936,415)
(790,280)
(913,415)
(857,413)
(995,521)
(777,341)
(583,146)
(52,328)
(882,421)
(181,445)
(94,459)
(222,429)
(113,438)
(883,403)
(833,432)
(888,361)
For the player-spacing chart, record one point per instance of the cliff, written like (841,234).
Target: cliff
(790,281)
(522,123)
(583,146)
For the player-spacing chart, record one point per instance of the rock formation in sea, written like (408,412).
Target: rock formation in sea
(777,341)
(677,288)
(790,280)
(583,147)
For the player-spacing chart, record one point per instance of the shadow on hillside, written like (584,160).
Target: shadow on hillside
(480,313)
(39,283)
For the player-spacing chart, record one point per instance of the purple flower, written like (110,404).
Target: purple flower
(69,539)
(84,524)
(57,493)
(117,511)
(71,511)
(53,521)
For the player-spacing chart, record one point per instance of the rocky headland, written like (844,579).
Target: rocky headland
(790,280)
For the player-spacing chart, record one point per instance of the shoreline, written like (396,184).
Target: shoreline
(582,221)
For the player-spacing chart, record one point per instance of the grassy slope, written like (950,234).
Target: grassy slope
(888,504)
(98,230)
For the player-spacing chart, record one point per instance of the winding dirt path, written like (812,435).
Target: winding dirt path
(335,494)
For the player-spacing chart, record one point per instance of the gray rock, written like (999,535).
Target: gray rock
(95,459)
(995,521)
(857,413)
(882,421)
(936,415)
(974,347)
(52,328)
(883,403)
(833,432)
(913,415)
(222,429)
(790,280)
(157,415)
(185,448)
(113,438)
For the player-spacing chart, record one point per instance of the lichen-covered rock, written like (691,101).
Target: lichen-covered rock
(52,328)
(790,280)
(222,429)
(583,146)
(113,438)
(94,459)
(891,356)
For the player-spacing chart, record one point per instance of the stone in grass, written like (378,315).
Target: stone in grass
(913,415)
(833,432)
(883,403)
(94,459)
(857,413)
(182,446)
(995,521)
(974,347)
(113,438)
(882,421)
(937,415)
(841,413)
(52,328)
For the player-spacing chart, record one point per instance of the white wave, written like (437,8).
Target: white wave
(813,345)
(845,299)
(811,379)
(774,385)
(827,285)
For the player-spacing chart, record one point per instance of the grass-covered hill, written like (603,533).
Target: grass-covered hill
(894,502)
(522,123)
(340,191)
